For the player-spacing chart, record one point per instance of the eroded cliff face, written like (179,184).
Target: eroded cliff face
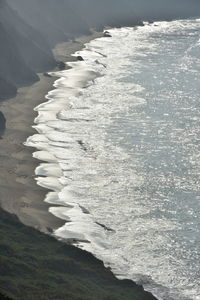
(30,28)
(30,43)
(23,52)
(7,89)
(14,72)
(57,20)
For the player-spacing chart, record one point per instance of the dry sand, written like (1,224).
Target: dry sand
(19,193)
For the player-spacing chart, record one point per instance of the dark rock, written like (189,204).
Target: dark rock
(46,74)
(2,124)
(105,227)
(107,34)
(80,58)
(97,62)
(60,65)
(82,144)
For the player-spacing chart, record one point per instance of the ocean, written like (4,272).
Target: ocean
(118,138)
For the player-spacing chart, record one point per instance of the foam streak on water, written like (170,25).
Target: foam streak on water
(119,138)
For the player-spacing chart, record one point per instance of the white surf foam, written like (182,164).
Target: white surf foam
(84,169)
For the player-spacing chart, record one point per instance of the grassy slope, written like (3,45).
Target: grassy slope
(3,297)
(37,266)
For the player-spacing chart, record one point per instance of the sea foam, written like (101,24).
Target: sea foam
(110,151)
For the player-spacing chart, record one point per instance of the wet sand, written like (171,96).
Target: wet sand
(19,193)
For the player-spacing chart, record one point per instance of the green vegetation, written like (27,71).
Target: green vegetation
(3,297)
(36,266)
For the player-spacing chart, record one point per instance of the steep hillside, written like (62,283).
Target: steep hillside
(36,266)
(30,43)
(13,69)
(7,89)
(55,20)
(3,297)
(63,18)
(23,51)
(30,28)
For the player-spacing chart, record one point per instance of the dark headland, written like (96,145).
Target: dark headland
(36,37)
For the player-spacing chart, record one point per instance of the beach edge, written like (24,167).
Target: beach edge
(19,192)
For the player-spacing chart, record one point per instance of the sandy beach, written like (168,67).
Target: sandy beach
(19,193)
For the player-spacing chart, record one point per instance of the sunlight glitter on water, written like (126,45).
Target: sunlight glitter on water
(123,154)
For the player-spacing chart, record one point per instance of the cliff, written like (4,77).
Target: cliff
(13,69)
(55,20)
(30,28)
(36,266)
(23,52)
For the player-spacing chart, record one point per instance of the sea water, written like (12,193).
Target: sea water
(119,141)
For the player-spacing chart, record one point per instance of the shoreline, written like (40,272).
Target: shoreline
(19,192)
(20,195)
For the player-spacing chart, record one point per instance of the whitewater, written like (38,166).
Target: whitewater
(118,138)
